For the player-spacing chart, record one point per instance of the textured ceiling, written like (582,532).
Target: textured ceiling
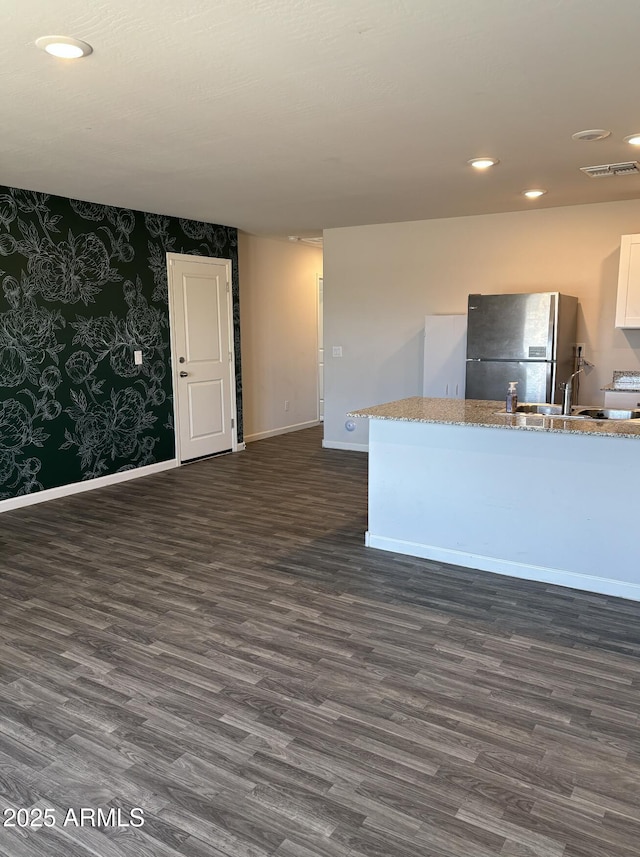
(290,116)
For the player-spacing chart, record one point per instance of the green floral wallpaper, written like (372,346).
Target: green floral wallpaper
(83,287)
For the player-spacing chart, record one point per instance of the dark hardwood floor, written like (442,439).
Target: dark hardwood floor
(215,645)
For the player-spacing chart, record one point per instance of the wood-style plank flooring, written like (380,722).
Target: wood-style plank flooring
(215,645)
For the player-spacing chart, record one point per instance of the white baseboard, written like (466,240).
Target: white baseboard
(261,435)
(339,444)
(240,447)
(89,485)
(571,579)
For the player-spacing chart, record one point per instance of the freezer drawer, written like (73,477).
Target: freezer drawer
(489,380)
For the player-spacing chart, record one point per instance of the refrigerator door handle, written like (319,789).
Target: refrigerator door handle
(552,380)
(553,313)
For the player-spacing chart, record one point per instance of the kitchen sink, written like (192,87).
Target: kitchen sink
(539,408)
(606,413)
(577,413)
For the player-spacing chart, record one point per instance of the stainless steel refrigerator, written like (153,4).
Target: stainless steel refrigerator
(526,338)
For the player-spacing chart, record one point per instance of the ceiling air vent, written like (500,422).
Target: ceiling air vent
(623,169)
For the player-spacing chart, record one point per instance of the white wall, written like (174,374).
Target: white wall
(278,326)
(380,281)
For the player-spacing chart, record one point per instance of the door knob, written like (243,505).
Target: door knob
(183,374)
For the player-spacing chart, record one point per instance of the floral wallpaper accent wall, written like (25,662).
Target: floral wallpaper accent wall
(83,286)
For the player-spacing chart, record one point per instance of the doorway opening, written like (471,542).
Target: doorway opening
(320,290)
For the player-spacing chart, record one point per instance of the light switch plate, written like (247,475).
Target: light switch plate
(337,351)
(137,358)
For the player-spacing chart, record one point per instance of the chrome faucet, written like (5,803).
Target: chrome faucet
(567,392)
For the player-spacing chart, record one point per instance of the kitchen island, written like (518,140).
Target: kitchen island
(539,497)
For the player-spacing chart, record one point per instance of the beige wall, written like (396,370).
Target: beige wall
(380,281)
(278,321)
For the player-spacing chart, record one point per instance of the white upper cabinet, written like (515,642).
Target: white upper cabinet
(445,352)
(628,305)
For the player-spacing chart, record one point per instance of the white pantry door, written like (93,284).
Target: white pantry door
(202,355)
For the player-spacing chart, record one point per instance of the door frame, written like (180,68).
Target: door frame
(189,257)
(320,342)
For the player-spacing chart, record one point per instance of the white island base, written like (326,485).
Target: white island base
(556,507)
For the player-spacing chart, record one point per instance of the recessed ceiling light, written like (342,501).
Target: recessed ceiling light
(483,163)
(64,47)
(534,193)
(634,139)
(591,136)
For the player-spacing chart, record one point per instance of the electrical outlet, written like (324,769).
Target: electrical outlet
(137,358)
(286,404)
(337,351)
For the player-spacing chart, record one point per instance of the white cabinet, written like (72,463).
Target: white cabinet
(628,305)
(618,399)
(445,353)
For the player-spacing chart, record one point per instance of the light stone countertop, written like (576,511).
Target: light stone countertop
(474,412)
(624,381)
(612,389)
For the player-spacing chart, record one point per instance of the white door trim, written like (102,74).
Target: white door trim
(320,344)
(205,260)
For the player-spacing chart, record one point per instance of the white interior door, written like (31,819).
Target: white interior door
(202,355)
(320,351)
